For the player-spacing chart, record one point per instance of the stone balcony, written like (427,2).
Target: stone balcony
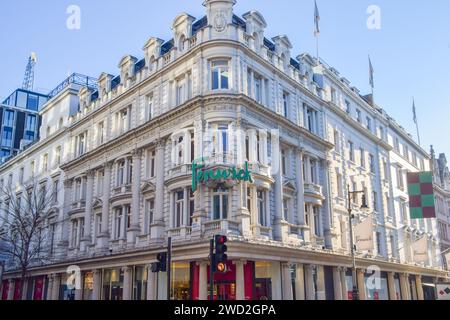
(124,189)
(313,193)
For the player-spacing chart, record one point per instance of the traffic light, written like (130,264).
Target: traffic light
(161,265)
(220,256)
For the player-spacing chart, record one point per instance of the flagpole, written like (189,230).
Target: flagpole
(416,121)
(317,49)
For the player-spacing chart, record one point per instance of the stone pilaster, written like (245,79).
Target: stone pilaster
(337,283)
(321,293)
(151,284)
(419,288)
(360,276)
(103,241)
(157,229)
(203,281)
(127,283)
(309,283)
(391,286)
(300,282)
(86,239)
(96,292)
(240,281)
(134,229)
(287,282)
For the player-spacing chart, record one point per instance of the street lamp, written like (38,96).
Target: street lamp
(364,206)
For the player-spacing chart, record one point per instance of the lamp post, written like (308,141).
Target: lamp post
(352,244)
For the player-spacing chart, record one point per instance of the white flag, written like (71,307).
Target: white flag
(420,250)
(364,235)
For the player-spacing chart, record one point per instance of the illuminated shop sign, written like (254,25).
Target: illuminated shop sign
(201,173)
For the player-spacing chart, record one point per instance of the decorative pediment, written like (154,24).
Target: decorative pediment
(97,203)
(148,186)
(289,185)
(84,96)
(104,83)
(254,21)
(182,27)
(152,48)
(126,66)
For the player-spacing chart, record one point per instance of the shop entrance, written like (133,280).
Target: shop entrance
(263,289)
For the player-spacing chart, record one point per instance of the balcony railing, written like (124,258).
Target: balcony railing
(122,189)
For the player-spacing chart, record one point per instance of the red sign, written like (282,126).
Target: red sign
(350,295)
(376,296)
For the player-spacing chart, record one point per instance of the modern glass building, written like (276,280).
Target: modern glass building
(20,122)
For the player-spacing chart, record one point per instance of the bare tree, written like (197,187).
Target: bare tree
(24,225)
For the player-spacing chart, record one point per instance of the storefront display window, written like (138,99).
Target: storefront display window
(181,281)
(113,284)
(140,277)
(88,286)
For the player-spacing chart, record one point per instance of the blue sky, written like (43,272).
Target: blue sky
(410,53)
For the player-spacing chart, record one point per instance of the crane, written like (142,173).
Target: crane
(28,80)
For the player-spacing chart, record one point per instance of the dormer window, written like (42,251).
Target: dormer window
(220,74)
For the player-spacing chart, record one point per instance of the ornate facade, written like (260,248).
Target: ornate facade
(221,91)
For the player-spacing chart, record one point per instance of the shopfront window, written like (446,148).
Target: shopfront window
(113,284)
(181,281)
(88,286)
(263,281)
(376,290)
(140,276)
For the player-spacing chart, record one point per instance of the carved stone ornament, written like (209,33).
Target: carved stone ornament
(220,21)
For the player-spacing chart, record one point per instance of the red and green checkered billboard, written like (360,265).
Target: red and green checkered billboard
(421,195)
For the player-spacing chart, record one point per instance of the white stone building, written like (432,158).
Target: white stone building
(221,90)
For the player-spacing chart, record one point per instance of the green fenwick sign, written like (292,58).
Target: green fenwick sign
(200,174)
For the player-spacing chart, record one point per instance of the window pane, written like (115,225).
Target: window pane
(215,80)
(216,208)
(225,207)
(224,80)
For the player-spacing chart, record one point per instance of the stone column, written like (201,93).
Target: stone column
(104,235)
(127,283)
(360,276)
(97,289)
(157,229)
(299,282)
(240,281)
(11,289)
(56,286)
(278,176)
(404,286)
(86,240)
(300,188)
(344,284)
(321,294)
(309,283)
(134,229)
(419,288)
(391,286)
(203,282)
(151,284)
(49,288)
(287,282)
(337,284)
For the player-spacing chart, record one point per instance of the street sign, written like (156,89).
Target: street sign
(443,291)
